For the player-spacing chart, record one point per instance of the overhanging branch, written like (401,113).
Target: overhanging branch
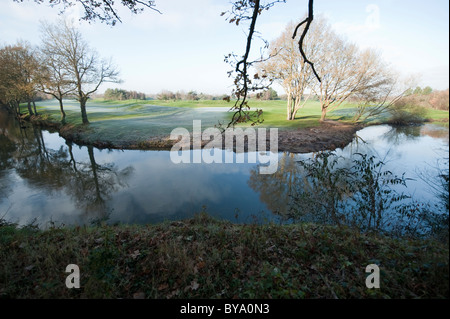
(308,22)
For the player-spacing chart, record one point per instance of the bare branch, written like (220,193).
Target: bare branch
(308,22)
(102,10)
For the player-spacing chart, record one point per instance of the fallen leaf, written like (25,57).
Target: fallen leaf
(139,295)
(173,293)
(163,287)
(135,254)
(201,265)
(194,285)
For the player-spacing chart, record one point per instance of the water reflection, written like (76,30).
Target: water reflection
(45,177)
(296,192)
(42,176)
(363,184)
(26,160)
(92,185)
(277,190)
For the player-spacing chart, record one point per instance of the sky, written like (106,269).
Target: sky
(184,47)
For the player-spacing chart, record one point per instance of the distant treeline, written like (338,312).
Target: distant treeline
(120,94)
(166,95)
(424,97)
(427,97)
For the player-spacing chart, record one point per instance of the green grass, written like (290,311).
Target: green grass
(206,258)
(191,104)
(133,121)
(274,113)
(437,115)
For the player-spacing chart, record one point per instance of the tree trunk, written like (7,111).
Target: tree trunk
(72,158)
(19,112)
(34,107)
(63,114)
(289,116)
(296,108)
(83,111)
(13,108)
(288,110)
(324,114)
(294,113)
(94,167)
(30,111)
(290,102)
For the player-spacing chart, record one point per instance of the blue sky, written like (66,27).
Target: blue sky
(184,48)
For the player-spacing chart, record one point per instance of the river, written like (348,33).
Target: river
(45,180)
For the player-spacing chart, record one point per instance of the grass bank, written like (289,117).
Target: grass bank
(135,124)
(206,258)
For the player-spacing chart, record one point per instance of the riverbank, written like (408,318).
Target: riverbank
(142,126)
(146,125)
(207,258)
(328,135)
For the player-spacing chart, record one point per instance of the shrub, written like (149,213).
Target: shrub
(403,113)
(440,100)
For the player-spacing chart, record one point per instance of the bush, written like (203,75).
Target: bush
(166,95)
(440,100)
(403,113)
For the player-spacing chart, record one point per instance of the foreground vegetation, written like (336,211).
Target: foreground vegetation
(206,258)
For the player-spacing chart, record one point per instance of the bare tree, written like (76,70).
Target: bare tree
(55,79)
(345,71)
(81,63)
(289,69)
(376,99)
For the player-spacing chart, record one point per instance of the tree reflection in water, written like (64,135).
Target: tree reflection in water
(90,185)
(356,191)
(277,190)
(304,193)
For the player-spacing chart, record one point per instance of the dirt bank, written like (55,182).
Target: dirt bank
(329,135)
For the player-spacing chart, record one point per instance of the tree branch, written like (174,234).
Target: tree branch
(308,22)
(240,104)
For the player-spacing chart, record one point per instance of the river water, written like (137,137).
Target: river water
(45,179)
